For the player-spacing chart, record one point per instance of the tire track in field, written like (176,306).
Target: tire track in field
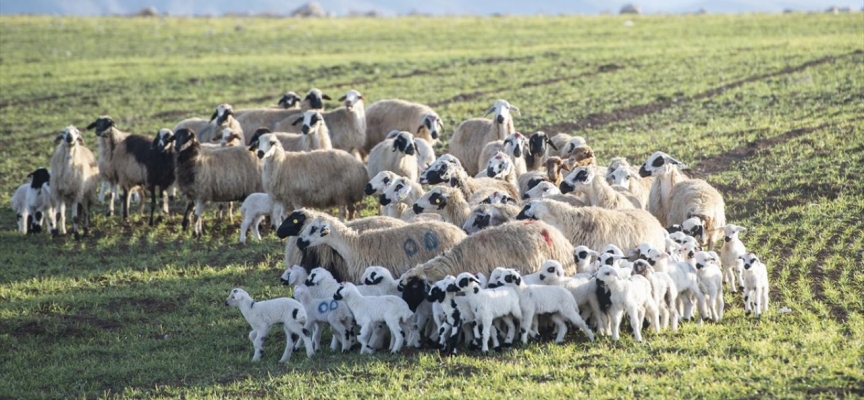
(480,93)
(628,113)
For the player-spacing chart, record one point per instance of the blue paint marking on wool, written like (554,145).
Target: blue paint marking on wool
(430,240)
(410,247)
(322,307)
(334,305)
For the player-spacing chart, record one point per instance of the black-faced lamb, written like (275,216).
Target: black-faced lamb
(730,253)
(32,202)
(633,296)
(262,315)
(369,310)
(710,283)
(471,135)
(488,305)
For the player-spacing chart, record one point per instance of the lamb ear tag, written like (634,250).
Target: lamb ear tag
(437,201)
(295,221)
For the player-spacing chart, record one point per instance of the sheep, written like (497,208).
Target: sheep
(632,295)
(445,201)
(540,299)
(419,242)
(558,144)
(513,146)
(490,304)
(385,115)
(582,286)
(541,190)
(254,209)
(582,257)
(221,174)
(74,176)
(289,312)
(371,309)
(622,175)
(523,245)
(663,290)
(381,280)
(379,183)
(290,104)
(294,275)
(685,279)
(320,311)
(483,216)
(291,178)
(536,152)
(314,135)
(397,155)
(552,173)
(347,124)
(425,154)
(397,198)
(730,252)
(710,283)
(449,313)
(106,145)
(446,169)
(32,202)
(596,227)
(583,180)
(497,197)
(471,135)
(229,138)
(755,281)
(222,118)
(675,198)
(160,171)
(500,167)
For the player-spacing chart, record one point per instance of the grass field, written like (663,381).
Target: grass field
(769,108)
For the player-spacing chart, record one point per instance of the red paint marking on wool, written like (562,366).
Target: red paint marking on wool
(546,237)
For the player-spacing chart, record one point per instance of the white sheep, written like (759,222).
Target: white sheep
(514,146)
(321,311)
(397,154)
(755,281)
(398,197)
(663,290)
(348,124)
(254,209)
(33,204)
(539,299)
(446,202)
(582,256)
(730,254)
(262,315)
(74,176)
(490,304)
(447,169)
(294,275)
(710,283)
(598,193)
(385,115)
(378,278)
(632,295)
(582,286)
(622,175)
(368,310)
(686,280)
(483,216)
(471,135)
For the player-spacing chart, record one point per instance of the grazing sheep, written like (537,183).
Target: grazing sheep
(291,179)
(471,135)
(446,202)
(74,176)
(289,312)
(107,138)
(483,216)
(419,242)
(632,295)
(386,115)
(323,256)
(710,283)
(730,254)
(490,304)
(755,281)
(540,299)
(622,175)
(596,227)
(254,209)
(593,187)
(368,310)
(514,146)
(320,311)
(425,154)
(522,245)
(32,202)
(675,198)
(397,155)
(219,174)
(451,171)
(663,290)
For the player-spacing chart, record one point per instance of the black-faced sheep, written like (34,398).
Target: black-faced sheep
(397,154)
(386,115)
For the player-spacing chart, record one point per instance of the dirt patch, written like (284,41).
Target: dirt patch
(633,112)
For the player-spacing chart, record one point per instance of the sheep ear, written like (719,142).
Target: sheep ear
(489,111)
(297,121)
(517,280)
(58,138)
(564,166)
(80,140)
(254,145)
(325,97)
(92,125)
(343,98)
(512,107)
(215,114)
(420,128)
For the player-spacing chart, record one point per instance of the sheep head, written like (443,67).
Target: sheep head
(551,270)
(498,197)
(396,192)
(442,170)
(380,182)
(499,165)
(511,277)
(351,98)
(607,273)
(502,108)
(223,111)
(466,282)
(163,140)
(515,144)
(578,177)
(583,253)
(404,142)
(237,297)
(289,100)
(312,122)
(293,275)
(267,145)
(703,258)
(71,136)
(658,162)
(414,286)
(433,124)
(435,199)
(313,234)
(731,231)
(292,224)
(315,99)
(102,125)
(749,260)
(529,211)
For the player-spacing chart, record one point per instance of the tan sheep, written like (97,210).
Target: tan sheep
(449,169)
(593,187)
(596,227)
(386,115)
(396,249)
(521,245)
(74,176)
(446,202)
(483,216)
(621,174)
(515,146)
(471,135)
(398,155)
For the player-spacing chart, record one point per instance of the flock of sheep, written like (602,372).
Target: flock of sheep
(504,235)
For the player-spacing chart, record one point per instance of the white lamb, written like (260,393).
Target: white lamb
(581,286)
(368,310)
(632,295)
(710,282)
(321,311)
(254,209)
(582,255)
(264,314)
(732,249)
(294,275)
(755,280)
(489,304)
(379,279)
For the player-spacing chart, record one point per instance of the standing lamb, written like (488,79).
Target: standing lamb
(730,254)
(397,155)
(283,310)
(471,135)
(755,281)
(711,283)
(386,115)
(632,295)
(254,209)
(32,202)
(369,310)
(73,181)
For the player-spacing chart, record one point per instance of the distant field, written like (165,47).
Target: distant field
(769,109)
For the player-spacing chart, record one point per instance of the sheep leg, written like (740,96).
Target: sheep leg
(186,214)
(526,322)
(616,317)
(485,334)
(61,210)
(231,212)
(560,328)
(721,304)
(757,302)
(688,306)
(112,192)
(244,226)
(126,202)
(397,334)
(365,331)
(152,203)
(199,224)
(102,189)
(700,300)
(76,209)
(23,223)
(748,298)
(141,195)
(255,224)
(511,331)
(576,320)
(257,338)
(635,322)
(653,311)
(339,336)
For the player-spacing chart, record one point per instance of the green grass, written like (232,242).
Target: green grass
(768,108)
